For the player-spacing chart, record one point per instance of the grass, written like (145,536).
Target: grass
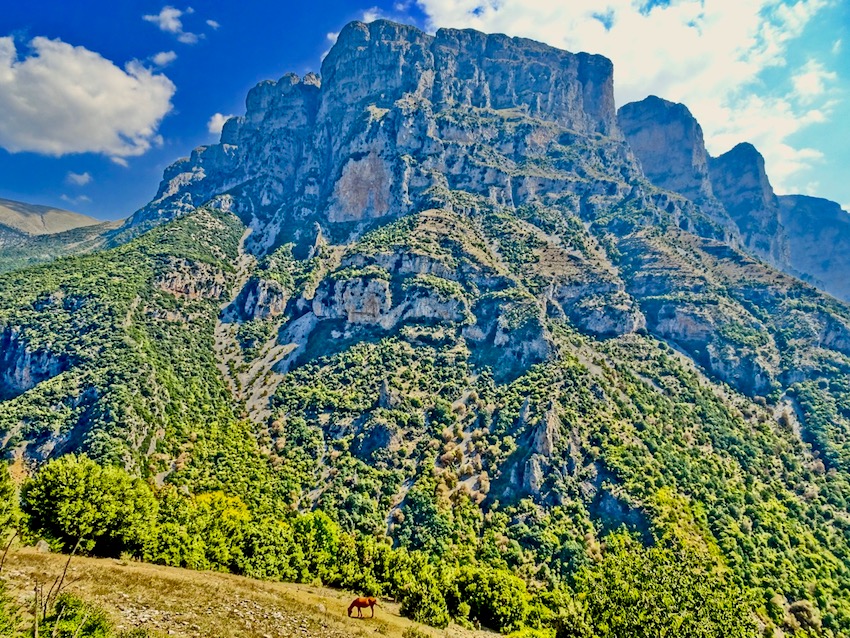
(179,602)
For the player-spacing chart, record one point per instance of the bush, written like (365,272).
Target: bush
(74,500)
(638,592)
(72,617)
(496,598)
(7,501)
(424,602)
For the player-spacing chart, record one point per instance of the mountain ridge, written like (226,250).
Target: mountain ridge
(34,219)
(474,332)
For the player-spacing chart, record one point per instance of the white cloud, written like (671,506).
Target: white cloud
(78,179)
(80,199)
(811,79)
(64,99)
(216,123)
(836,47)
(164,58)
(372,14)
(213,24)
(708,55)
(169,19)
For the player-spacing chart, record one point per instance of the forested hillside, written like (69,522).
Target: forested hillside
(466,356)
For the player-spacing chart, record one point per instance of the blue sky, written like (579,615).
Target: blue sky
(96,97)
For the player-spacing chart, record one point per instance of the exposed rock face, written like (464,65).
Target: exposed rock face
(668,141)
(258,299)
(192,280)
(22,368)
(374,136)
(818,232)
(741,184)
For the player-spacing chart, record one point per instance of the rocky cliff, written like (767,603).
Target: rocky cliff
(734,189)
(739,180)
(818,232)
(669,144)
(399,118)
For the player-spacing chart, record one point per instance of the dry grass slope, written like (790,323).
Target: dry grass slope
(179,602)
(41,220)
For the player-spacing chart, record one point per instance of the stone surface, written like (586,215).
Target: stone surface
(818,232)
(369,140)
(739,180)
(669,144)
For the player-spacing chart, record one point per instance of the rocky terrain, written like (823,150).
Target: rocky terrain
(446,293)
(790,232)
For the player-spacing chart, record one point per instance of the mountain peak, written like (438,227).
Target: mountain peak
(366,140)
(34,219)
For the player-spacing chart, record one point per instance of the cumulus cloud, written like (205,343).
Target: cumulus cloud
(213,24)
(63,99)
(80,199)
(811,80)
(78,179)
(164,58)
(216,123)
(708,55)
(170,20)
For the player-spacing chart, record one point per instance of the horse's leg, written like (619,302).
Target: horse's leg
(372,607)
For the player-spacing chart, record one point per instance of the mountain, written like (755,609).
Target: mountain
(40,220)
(790,232)
(31,234)
(446,295)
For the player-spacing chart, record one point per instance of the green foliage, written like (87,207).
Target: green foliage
(9,614)
(74,500)
(424,602)
(496,598)
(8,501)
(271,553)
(253,334)
(639,592)
(73,617)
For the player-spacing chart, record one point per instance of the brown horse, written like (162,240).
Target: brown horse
(361,603)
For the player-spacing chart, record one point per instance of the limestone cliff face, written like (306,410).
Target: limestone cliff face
(741,183)
(818,233)
(669,144)
(23,367)
(392,122)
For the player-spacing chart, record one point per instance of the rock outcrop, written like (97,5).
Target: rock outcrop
(669,144)
(397,117)
(818,233)
(23,367)
(740,182)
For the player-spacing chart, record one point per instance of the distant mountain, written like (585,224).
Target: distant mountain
(446,295)
(803,236)
(32,234)
(33,219)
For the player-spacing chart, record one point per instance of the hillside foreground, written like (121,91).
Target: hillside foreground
(201,604)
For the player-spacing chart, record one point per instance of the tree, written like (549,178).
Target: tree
(104,510)
(8,508)
(638,592)
(496,598)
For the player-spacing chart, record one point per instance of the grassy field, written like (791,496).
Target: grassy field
(178,602)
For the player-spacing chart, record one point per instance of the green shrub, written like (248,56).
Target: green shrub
(74,500)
